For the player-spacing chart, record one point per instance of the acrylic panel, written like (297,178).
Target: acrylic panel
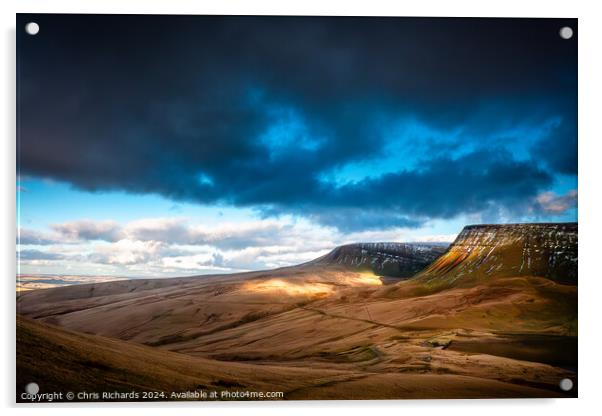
(295,208)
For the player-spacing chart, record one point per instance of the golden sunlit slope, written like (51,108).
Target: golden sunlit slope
(483,251)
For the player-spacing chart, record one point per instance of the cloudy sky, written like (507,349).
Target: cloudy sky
(163,146)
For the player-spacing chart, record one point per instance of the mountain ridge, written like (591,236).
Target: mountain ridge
(523,249)
(393,259)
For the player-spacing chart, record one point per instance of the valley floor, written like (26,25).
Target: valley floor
(308,333)
(65,361)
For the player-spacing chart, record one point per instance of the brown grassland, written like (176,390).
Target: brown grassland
(312,332)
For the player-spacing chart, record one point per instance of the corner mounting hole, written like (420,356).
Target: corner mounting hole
(566,32)
(566,384)
(32,388)
(32,28)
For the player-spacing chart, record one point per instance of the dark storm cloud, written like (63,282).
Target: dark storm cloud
(354,219)
(251,111)
(469,183)
(559,148)
(445,187)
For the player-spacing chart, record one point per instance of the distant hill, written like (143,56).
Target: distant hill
(384,259)
(543,249)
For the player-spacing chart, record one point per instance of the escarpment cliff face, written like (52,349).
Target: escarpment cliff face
(384,259)
(544,250)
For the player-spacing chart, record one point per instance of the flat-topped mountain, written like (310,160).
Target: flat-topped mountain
(384,259)
(542,249)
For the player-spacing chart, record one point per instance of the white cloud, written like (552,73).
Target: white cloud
(552,203)
(83,230)
(127,252)
(175,246)
(26,236)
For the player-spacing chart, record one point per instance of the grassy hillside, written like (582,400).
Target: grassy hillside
(513,250)
(64,361)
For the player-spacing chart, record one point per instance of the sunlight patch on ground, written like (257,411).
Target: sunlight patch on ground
(290,288)
(314,288)
(364,279)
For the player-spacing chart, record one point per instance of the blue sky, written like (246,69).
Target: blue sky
(239,143)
